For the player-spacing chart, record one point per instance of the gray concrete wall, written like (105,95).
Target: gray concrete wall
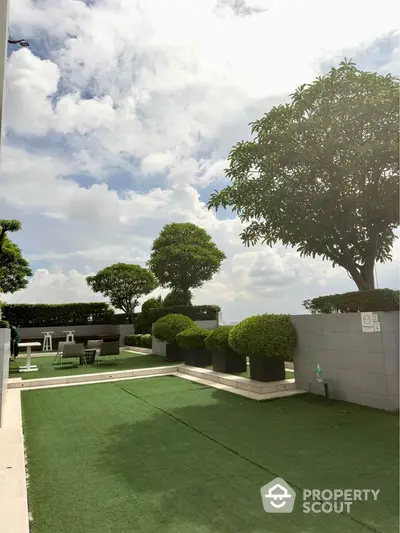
(360,367)
(124,330)
(4,363)
(102,329)
(158,347)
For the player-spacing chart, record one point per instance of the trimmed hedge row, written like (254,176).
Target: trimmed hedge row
(355,302)
(195,312)
(75,314)
(142,341)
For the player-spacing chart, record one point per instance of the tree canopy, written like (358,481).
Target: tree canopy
(322,173)
(14,269)
(183,257)
(123,284)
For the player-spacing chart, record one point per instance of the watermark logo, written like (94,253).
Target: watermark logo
(278,497)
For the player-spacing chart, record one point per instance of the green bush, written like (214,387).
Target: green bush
(195,312)
(167,328)
(46,315)
(264,336)
(192,338)
(4,324)
(122,318)
(146,341)
(176,298)
(132,340)
(355,302)
(218,339)
(143,320)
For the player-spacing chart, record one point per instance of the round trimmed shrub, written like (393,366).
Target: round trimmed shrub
(264,336)
(4,324)
(217,340)
(167,328)
(192,338)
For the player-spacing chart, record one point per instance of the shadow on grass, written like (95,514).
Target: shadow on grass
(197,461)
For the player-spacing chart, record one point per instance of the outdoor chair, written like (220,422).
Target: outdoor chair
(73,350)
(95,345)
(108,349)
(60,348)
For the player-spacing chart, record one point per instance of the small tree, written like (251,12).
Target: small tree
(14,269)
(323,172)
(123,284)
(183,257)
(143,319)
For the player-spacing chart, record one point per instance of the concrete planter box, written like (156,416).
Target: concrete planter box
(267,369)
(173,353)
(228,362)
(200,357)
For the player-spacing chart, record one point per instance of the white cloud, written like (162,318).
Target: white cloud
(128,87)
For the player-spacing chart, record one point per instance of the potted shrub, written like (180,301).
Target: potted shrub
(224,359)
(191,342)
(268,340)
(167,328)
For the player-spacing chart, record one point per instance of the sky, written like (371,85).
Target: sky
(120,116)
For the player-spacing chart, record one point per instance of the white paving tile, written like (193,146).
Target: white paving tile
(13,491)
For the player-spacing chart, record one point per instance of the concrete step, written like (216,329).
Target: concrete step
(238,381)
(18,383)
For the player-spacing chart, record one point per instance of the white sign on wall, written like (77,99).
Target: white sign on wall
(370,322)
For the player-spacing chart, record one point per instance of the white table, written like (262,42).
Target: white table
(28,346)
(70,335)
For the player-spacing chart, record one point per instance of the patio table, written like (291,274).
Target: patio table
(28,367)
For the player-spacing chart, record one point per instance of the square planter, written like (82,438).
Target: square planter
(228,362)
(173,354)
(267,368)
(197,357)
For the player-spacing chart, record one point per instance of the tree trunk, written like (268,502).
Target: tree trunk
(363,276)
(186,296)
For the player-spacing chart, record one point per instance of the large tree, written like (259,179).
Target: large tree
(14,269)
(183,257)
(322,173)
(123,284)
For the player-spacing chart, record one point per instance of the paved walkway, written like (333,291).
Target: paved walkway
(14,516)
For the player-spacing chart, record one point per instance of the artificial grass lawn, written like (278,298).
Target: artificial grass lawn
(167,455)
(46,369)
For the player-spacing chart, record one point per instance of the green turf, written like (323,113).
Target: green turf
(46,368)
(165,455)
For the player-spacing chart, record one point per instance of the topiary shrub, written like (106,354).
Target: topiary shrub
(264,336)
(218,339)
(355,302)
(167,328)
(224,359)
(146,341)
(4,324)
(192,338)
(175,298)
